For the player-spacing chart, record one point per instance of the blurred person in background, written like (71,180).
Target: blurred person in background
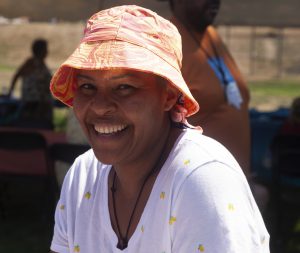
(216,83)
(213,78)
(37,102)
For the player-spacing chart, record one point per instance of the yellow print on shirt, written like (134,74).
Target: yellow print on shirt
(77,248)
(201,248)
(88,195)
(186,162)
(230,207)
(172,220)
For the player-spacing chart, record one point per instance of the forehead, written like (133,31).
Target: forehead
(115,74)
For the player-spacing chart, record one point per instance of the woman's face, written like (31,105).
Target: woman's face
(123,113)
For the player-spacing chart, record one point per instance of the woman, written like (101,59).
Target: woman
(151,182)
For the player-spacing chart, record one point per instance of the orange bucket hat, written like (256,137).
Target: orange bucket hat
(128,37)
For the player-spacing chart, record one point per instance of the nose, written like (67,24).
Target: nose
(103,104)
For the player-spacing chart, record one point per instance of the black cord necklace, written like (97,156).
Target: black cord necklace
(123,240)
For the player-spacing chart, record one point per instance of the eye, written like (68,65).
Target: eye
(86,88)
(125,89)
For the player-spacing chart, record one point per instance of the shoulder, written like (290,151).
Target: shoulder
(213,33)
(84,171)
(210,195)
(26,67)
(211,30)
(201,149)
(210,179)
(214,202)
(84,163)
(203,163)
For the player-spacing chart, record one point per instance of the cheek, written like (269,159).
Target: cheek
(146,111)
(80,106)
(133,109)
(143,103)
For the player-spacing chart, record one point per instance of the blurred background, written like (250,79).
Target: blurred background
(262,36)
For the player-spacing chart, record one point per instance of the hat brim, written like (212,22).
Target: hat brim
(116,54)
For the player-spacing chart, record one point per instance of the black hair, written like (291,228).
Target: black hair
(39,46)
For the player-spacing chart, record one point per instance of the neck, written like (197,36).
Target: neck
(199,30)
(130,177)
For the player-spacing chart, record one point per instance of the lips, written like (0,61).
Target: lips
(109,129)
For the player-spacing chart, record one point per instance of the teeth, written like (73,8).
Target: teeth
(109,129)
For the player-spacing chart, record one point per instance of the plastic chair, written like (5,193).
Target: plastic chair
(286,187)
(262,133)
(9,110)
(24,158)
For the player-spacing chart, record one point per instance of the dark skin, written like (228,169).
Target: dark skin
(139,105)
(196,14)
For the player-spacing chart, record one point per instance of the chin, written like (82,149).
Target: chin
(104,157)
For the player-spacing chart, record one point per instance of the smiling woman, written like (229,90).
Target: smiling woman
(151,182)
(123,113)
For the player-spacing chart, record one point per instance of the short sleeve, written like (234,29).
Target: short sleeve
(60,242)
(214,211)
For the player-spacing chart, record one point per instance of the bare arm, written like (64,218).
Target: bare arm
(23,70)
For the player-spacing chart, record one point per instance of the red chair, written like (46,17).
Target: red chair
(24,159)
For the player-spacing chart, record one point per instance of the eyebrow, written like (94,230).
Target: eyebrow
(111,78)
(84,76)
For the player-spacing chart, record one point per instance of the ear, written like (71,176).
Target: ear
(172,96)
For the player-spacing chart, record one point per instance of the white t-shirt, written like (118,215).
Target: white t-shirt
(200,202)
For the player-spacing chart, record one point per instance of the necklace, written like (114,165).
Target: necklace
(217,63)
(123,240)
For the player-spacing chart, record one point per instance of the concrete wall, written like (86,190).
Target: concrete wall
(45,10)
(68,10)
(236,12)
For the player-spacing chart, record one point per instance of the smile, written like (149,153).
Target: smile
(109,129)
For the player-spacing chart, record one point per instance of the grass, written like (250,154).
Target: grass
(270,95)
(60,118)
(278,88)
(6,68)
